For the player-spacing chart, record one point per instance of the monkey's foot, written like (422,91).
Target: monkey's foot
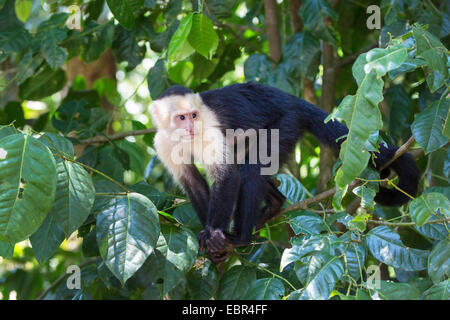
(236,241)
(220,256)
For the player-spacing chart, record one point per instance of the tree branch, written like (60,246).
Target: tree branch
(118,136)
(351,58)
(403,149)
(303,205)
(406,224)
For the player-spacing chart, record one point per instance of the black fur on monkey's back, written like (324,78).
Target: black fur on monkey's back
(251,105)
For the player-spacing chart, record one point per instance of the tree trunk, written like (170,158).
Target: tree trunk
(327,155)
(104,66)
(273,30)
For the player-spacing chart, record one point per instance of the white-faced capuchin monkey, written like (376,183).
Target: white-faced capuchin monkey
(193,128)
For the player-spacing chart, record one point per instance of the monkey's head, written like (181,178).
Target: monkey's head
(178,108)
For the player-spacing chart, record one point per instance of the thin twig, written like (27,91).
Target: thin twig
(406,224)
(403,149)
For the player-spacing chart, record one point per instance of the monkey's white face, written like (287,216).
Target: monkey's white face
(177,113)
(187,129)
(185,121)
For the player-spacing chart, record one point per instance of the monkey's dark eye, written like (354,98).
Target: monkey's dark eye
(182,117)
(194,115)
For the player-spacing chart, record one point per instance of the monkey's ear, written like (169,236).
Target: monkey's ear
(198,97)
(160,114)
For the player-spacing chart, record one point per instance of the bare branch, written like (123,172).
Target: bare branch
(351,58)
(405,224)
(404,148)
(118,136)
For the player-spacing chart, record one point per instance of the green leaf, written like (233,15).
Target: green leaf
(47,239)
(157,79)
(203,282)
(291,188)
(257,67)
(14,113)
(203,67)
(302,53)
(439,261)
(137,157)
(27,66)
(400,111)
(440,291)
(71,115)
(160,199)
(266,289)
(202,36)
(14,39)
(434,231)
(235,283)
(314,13)
(179,246)
(74,196)
(409,65)
(395,291)
(386,246)
(27,186)
(6,131)
(302,246)
(122,11)
(127,232)
(322,271)
(56,143)
(431,49)
(362,116)
(157,268)
(186,215)
(98,41)
(359,222)
(45,83)
(423,207)
(126,47)
(367,195)
(385,60)
(54,54)
(179,47)
(428,125)
(6,249)
(305,222)
(23,9)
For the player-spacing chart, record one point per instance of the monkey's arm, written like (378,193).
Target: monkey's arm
(197,190)
(223,197)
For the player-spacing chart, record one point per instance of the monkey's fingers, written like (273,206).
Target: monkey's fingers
(216,241)
(202,239)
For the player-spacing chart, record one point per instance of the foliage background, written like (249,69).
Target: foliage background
(80,183)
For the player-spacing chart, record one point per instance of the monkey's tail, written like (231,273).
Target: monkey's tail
(332,133)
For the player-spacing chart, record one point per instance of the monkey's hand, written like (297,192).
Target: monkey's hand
(216,244)
(212,240)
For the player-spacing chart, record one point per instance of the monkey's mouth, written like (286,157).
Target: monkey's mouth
(188,136)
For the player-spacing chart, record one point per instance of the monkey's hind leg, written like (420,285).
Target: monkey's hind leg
(248,210)
(274,201)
